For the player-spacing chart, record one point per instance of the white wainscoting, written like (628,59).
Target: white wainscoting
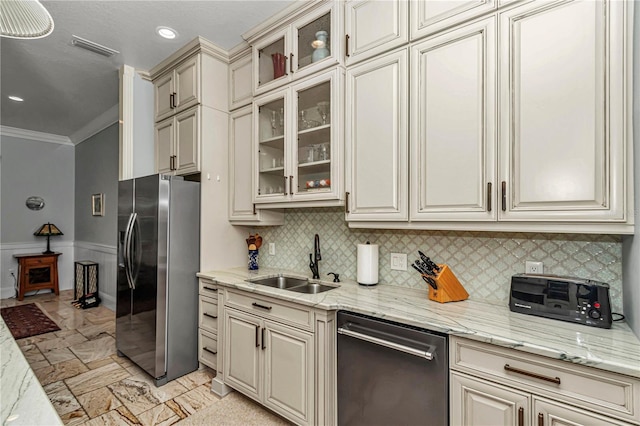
(104,255)
(8,263)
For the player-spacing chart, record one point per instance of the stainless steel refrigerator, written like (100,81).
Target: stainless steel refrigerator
(157,289)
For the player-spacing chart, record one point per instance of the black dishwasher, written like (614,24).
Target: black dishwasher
(390,373)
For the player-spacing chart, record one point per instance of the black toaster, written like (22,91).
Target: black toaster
(563,298)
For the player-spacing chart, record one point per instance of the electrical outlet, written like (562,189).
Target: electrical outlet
(399,261)
(272,249)
(533,267)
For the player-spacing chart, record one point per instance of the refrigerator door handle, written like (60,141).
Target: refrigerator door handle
(135,251)
(127,249)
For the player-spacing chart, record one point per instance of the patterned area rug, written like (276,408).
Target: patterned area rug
(27,320)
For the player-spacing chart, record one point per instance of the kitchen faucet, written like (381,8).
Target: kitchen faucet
(313,259)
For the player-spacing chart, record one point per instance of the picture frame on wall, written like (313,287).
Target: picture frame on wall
(97,204)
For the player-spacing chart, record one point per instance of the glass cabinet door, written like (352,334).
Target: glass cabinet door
(312,146)
(313,42)
(271,136)
(273,59)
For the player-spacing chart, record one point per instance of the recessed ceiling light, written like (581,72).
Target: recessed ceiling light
(167,32)
(16,98)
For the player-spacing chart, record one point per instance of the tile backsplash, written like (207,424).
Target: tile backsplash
(483,261)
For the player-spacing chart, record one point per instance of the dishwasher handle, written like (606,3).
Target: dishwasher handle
(391,345)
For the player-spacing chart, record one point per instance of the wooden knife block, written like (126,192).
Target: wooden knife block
(449,288)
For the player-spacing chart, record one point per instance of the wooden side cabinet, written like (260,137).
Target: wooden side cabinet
(37,271)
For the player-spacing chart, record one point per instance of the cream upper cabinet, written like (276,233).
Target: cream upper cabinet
(178,89)
(298,142)
(177,147)
(306,45)
(453,115)
(373,27)
(564,99)
(241,207)
(240,82)
(191,88)
(377,130)
(428,17)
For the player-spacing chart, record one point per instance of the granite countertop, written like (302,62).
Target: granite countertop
(22,400)
(616,349)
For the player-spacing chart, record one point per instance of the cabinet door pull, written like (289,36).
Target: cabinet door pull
(174,100)
(257,337)
(264,346)
(171,162)
(171,100)
(488,196)
(555,380)
(285,185)
(291,185)
(346,45)
(540,419)
(286,58)
(291,63)
(210,288)
(209,315)
(254,209)
(257,305)
(520,416)
(346,202)
(504,196)
(210,351)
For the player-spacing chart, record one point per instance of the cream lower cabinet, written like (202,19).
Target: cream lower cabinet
(496,386)
(208,324)
(270,360)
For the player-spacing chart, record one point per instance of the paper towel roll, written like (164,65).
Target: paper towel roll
(367,264)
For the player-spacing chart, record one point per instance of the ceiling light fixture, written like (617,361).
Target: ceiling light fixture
(166,32)
(24,19)
(16,98)
(93,46)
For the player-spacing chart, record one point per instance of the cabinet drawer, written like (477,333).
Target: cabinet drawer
(207,349)
(208,314)
(208,288)
(601,391)
(270,308)
(34,263)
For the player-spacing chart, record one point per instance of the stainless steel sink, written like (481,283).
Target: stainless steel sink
(281,282)
(312,288)
(299,285)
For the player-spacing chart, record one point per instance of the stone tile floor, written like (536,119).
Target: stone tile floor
(89,384)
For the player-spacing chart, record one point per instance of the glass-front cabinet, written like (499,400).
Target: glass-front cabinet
(307,45)
(298,141)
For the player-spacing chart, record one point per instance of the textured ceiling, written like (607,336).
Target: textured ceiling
(65,87)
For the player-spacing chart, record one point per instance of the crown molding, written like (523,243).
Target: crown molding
(284,17)
(197,45)
(238,51)
(34,136)
(96,125)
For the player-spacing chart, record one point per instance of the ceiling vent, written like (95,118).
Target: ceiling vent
(94,47)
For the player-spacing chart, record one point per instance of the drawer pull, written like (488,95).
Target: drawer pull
(210,288)
(257,305)
(520,416)
(555,380)
(210,351)
(209,315)
(540,419)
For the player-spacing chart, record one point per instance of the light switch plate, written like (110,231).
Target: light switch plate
(272,249)
(399,261)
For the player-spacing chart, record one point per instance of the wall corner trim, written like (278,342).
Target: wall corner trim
(96,125)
